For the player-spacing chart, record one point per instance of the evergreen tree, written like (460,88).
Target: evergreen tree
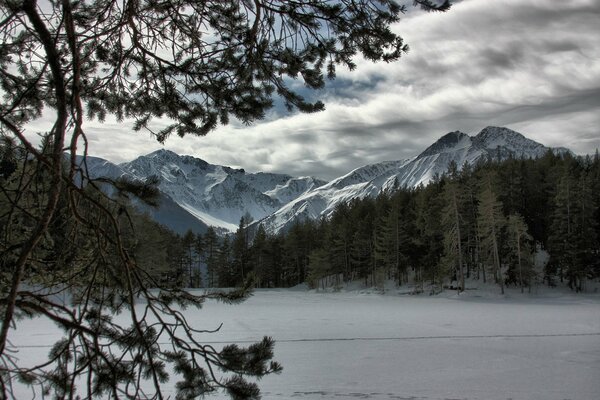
(261,258)
(339,239)
(520,251)
(199,252)
(293,257)
(471,230)
(452,222)
(361,252)
(175,254)
(189,257)
(561,242)
(594,177)
(490,223)
(275,262)
(430,240)
(240,251)
(319,268)
(150,250)
(210,247)
(586,240)
(385,249)
(223,264)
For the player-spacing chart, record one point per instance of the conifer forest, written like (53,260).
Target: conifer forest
(486,222)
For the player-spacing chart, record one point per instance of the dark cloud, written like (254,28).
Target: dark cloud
(533,66)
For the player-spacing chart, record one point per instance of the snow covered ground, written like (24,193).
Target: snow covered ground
(361,345)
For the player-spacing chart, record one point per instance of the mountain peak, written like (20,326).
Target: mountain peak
(164,156)
(450,141)
(162,153)
(495,135)
(507,141)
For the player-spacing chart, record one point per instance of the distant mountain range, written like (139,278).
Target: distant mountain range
(196,194)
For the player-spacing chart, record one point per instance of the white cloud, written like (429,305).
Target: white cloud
(533,66)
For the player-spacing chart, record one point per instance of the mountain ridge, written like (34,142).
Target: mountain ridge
(456,146)
(215,195)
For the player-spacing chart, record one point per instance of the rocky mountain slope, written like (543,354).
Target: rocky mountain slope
(211,195)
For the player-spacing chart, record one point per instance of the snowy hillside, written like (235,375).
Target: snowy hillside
(213,195)
(169,214)
(373,179)
(321,201)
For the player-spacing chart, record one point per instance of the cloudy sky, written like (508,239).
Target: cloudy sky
(530,65)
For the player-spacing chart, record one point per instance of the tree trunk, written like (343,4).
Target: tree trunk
(461,276)
(497,268)
(519,260)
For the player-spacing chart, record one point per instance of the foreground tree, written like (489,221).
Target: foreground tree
(192,64)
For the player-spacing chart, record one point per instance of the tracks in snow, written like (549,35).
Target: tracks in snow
(373,339)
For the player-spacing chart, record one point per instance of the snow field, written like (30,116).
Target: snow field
(356,345)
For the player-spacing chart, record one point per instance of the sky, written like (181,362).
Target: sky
(530,65)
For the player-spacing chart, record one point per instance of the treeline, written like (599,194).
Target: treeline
(88,236)
(485,222)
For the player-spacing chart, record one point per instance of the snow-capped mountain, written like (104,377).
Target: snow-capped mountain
(373,179)
(211,194)
(322,200)
(169,214)
(196,194)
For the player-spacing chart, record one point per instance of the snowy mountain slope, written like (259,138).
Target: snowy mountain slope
(213,195)
(217,195)
(294,188)
(197,194)
(174,216)
(100,168)
(322,200)
(457,147)
(169,214)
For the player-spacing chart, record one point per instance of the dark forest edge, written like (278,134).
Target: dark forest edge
(483,223)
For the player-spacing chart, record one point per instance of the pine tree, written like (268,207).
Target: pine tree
(471,230)
(428,216)
(561,242)
(361,253)
(188,241)
(240,251)
(594,177)
(223,265)
(260,257)
(293,257)
(452,222)
(385,248)
(490,223)
(199,251)
(319,268)
(210,246)
(519,239)
(340,239)
(585,236)
(149,248)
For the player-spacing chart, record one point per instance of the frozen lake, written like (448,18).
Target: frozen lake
(367,346)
